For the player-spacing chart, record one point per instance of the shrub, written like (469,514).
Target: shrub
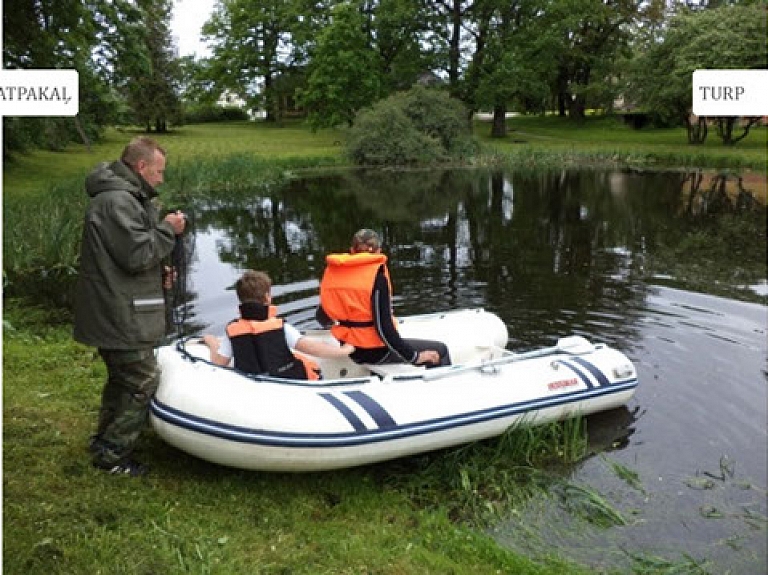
(421,126)
(202,113)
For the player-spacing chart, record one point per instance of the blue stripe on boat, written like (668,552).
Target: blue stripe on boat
(376,411)
(582,376)
(362,437)
(599,375)
(353,419)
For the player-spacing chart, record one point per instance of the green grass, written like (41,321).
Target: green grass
(605,140)
(37,171)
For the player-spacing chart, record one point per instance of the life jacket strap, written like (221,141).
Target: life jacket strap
(350,323)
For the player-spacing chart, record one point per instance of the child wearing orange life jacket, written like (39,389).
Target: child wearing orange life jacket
(261,343)
(356,303)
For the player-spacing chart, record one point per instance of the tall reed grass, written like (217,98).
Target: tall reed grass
(485,480)
(42,232)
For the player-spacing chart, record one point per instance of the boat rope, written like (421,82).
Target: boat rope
(179,306)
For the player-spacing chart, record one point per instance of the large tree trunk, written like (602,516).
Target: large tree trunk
(83,135)
(725,126)
(454,49)
(499,127)
(269,99)
(697,129)
(577,108)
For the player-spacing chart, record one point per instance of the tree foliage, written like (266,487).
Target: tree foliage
(253,42)
(149,70)
(337,57)
(345,72)
(120,49)
(725,37)
(60,34)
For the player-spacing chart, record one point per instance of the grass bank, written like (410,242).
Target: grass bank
(530,139)
(608,141)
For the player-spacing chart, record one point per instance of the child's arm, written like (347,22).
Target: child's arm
(213,344)
(322,349)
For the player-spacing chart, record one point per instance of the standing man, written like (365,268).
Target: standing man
(120,303)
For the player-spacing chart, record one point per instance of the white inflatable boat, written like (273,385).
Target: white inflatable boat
(363,414)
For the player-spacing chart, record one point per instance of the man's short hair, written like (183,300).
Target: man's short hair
(141,148)
(253,286)
(365,240)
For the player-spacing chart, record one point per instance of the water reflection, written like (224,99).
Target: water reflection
(576,243)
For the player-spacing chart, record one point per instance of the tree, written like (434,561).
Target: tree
(396,30)
(519,64)
(147,70)
(420,126)
(343,75)
(592,34)
(452,27)
(726,37)
(62,34)
(253,42)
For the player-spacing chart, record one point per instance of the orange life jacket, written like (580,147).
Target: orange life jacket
(259,347)
(345,296)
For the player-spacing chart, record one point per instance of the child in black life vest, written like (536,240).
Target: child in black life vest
(263,344)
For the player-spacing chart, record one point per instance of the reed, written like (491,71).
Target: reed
(483,481)
(588,504)
(629,476)
(41,238)
(42,231)
(646,564)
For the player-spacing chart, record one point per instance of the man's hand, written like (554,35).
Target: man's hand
(177,221)
(169,277)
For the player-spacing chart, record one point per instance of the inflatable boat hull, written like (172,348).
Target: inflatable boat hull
(367,414)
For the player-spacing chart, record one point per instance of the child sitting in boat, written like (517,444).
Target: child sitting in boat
(261,343)
(356,303)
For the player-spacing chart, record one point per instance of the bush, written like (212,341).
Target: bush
(203,113)
(421,126)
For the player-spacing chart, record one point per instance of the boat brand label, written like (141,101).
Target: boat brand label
(562,383)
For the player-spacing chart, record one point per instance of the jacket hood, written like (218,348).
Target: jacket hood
(116,176)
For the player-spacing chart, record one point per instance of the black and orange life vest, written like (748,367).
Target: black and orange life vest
(345,296)
(259,347)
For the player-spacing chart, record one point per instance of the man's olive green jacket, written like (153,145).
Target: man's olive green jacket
(120,302)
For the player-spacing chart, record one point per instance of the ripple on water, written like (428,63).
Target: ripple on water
(696,436)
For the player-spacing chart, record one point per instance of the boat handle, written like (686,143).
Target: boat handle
(491,369)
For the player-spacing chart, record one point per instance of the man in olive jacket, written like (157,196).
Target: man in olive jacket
(120,303)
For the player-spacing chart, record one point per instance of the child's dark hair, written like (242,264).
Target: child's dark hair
(253,286)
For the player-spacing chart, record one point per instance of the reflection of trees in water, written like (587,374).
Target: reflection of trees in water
(718,240)
(551,253)
(566,260)
(263,233)
(722,193)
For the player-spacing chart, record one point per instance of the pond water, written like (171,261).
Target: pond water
(668,267)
